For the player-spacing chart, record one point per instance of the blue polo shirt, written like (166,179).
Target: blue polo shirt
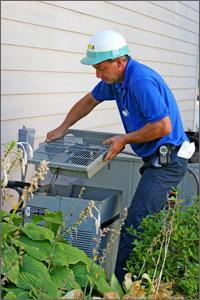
(143,98)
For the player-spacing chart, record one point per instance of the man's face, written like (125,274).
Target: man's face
(109,71)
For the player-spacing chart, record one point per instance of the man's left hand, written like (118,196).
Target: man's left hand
(117,145)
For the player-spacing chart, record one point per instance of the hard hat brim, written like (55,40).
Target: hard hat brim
(93,58)
(90,60)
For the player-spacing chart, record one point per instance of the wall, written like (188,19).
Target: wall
(43,42)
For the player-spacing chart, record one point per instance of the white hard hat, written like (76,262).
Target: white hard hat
(105,45)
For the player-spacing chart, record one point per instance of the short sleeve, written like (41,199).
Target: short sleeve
(151,103)
(103,91)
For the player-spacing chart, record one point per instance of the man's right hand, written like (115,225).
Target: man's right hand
(55,134)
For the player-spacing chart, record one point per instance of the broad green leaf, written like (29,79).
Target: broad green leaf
(40,250)
(64,278)
(65,255)
(3,214)
(116,286)
(20,293)
(17,220)
(37,293)
(38,233)
(54,217)
(10,295)
(36,219)
(13,273)
(80,272)
(59,256)
(7,228)
(53,227)
(23,295)
(10,264)
(9,257)
(29,281)
(53,220)
(98,275)
(34,267)
(47,291)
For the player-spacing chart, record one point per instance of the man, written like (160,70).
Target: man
(151,120)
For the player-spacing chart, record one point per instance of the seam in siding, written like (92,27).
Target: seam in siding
(156,4)
(132,27)
(186,110)
(43,93)
(108,124)
(45,26)
(41,48)
(70,92)
(83,53)
(161,62)
(141,60)
(64,114)
(73,92)
(51,115)
(33,117)
(83,73)
(154,18)
(183,88)
(181,100)
(48,71)
(192,8)
(83,13)
(119,23)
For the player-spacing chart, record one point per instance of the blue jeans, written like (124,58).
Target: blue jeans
(150,197)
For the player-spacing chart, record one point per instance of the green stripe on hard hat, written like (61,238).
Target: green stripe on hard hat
(93,58)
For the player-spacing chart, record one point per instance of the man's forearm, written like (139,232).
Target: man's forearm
(79,110)
(150,132)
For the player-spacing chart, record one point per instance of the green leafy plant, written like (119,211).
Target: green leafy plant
(37,263)
(11,157)
(167,249)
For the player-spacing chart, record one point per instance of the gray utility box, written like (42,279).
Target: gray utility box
(122,173)
(72,200)
(110,184)
(189,185)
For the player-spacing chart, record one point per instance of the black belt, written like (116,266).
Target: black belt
(169,146)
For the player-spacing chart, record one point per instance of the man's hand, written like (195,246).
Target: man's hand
(117,145)
(55,134)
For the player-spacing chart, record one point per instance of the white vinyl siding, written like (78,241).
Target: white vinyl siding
(43,42)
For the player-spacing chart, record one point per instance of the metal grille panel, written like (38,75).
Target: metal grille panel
(78,151)
(81,239)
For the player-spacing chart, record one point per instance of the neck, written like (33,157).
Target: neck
(122,76)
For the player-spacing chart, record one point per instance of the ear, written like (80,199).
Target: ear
(120,63)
